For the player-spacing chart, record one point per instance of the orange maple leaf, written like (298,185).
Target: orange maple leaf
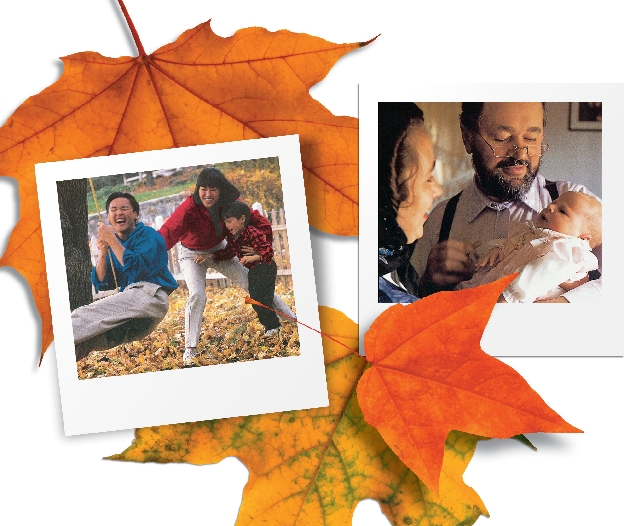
(201,89)
(312,467)
(429,376)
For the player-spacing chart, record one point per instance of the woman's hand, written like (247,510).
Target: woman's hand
(248,251)
(201,259)
(249,259)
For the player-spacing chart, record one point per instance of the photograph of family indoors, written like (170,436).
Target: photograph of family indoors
(474,191)
(161,280)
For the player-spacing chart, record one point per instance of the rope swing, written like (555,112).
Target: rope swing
(110,251)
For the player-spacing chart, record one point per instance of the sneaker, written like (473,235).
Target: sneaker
(271,332)
(190,353)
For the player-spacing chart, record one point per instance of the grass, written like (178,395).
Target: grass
(138,190)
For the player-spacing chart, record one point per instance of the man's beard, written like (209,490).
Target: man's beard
(493,183)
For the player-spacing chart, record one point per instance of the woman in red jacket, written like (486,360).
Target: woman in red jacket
(197,225)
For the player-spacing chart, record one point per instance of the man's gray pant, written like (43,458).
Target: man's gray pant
(123,317)
(195,277)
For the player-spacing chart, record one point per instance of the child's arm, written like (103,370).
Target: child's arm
(227,252)
(263,250)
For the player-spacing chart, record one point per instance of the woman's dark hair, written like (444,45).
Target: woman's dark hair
(395,120)
(213,178)
(236,209)
(125,195)
(471,111)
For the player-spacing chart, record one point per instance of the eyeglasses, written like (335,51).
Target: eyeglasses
(532,150)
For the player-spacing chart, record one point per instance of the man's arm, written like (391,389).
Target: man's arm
(590,292)
(449,263)
(107,234)
(441,266)
(139,260)
(101,267)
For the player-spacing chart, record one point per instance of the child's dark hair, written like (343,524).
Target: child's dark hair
(236,209)
(125,195)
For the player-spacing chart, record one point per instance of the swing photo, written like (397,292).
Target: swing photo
(192,265)
(207,321)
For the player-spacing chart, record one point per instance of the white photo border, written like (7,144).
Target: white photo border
(513,330)
(202,393)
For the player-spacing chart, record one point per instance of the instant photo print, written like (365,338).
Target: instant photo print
(120,335)
(573,153)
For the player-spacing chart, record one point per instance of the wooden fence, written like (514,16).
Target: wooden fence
(215,279)
(143,175)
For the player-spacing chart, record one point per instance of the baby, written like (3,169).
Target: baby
(553,254)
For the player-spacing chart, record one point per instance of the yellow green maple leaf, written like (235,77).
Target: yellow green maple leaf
(312,467)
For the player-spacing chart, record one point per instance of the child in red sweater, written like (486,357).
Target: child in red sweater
(262,267)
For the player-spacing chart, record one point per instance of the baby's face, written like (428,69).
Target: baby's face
(564,215)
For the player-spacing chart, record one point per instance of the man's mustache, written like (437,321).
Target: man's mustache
(513,162)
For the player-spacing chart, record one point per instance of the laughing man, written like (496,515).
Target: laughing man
(139,258)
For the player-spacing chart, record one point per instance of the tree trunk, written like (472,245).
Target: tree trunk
(72,196)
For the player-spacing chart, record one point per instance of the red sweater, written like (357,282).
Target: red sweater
(192,225)
(248,237)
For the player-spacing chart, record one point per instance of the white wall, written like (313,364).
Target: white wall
(573,155)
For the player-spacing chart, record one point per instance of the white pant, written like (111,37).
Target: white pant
(123,317)
(195,277)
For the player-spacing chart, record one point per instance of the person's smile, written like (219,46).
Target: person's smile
(209,196)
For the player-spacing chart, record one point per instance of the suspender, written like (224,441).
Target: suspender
(551,186)
(451,207)
(447,218)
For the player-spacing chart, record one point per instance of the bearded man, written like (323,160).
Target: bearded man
(506,141)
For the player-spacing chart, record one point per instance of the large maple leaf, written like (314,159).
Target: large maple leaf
(429,376)
(312,467)
(201,89)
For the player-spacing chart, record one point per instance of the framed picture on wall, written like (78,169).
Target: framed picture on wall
(586,116)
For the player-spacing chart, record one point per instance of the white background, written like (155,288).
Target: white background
(572,480)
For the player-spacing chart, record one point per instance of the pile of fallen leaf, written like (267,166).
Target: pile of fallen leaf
(230,333)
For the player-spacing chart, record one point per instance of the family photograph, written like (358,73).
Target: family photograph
(471,192)
(178,268)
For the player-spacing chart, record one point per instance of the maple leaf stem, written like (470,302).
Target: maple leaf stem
(135,35)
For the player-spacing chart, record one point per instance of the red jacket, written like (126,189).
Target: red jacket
(192,225)
(250,237)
